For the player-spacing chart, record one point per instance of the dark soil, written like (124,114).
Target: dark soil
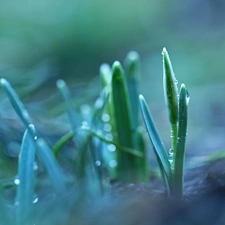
(139,204)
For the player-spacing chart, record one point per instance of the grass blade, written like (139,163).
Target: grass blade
(62,141)
(170,88)
(120,147)
(61,84)
(131,66)
(171,98)
(105,75)
(132,72)
(15,102)
(25,189)
(107,119)
(51,165)
(180,153)
(158,146)
(121,105)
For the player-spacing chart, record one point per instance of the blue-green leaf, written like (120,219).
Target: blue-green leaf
(51,165)
(25,188)
(180,153)
(158,146)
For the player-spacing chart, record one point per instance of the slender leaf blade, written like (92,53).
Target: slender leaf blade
(62,86)
(121,106)
(158,146)
(25,188)
(131,66)
(16,102)
(170,88)
(51,165)
(180,153)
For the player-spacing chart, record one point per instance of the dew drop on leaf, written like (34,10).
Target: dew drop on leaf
(112,163)
(98,163)
(16,181)
(105,117)
(111,148)
(107,127)
(109,137)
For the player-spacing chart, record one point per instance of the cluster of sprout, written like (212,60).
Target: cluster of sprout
(109,140)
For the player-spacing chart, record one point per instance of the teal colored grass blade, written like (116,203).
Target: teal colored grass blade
(171,98)
(170,88)
(52,167)
(131,66)
(107,123)
(105,75)
(25,189)
(121,105)
(158,146)
(61,84)
(120,147)
(16,103)
(132,72)
(62,141)
(180,153)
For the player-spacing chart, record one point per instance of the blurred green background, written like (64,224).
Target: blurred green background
(42,41)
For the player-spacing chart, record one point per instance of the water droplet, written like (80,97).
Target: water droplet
(16,203)
(98,163)
(111,148)
(187,97)
(84,125)
(171,151)
(35,138)
(170,157)
(105,117)
(178,139)
(175,81)
(109,137)
(107,127)
(98,103)
(113,163)
(16,181)
(35,200)
(99,132)
(35,166)
(85,109)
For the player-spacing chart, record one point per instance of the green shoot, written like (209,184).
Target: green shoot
(171,98)
(171,163)
(16,102)
(25,188)
(51,165)
(157,143)
(43,151)
(180,152)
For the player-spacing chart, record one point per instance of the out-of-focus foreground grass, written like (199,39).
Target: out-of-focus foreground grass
(42,41)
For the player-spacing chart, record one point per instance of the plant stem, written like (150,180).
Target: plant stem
(178,176)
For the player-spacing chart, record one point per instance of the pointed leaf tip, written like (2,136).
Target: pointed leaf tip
(105,68)
(133,56)
(60,83)
(141,97)
(182,86)
(116,65)
(2,80)
(117,70)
